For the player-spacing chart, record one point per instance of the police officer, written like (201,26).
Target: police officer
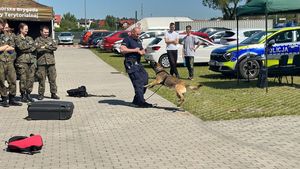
(133,50)
(25,62)
(7,68)
(46,63)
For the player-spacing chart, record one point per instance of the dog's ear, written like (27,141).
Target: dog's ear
(152,64)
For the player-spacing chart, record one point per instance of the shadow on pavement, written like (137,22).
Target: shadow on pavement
(116,102)
(129,104)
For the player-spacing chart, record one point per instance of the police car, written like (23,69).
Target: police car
(251,54)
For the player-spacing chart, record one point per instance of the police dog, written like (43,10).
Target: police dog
(164,78)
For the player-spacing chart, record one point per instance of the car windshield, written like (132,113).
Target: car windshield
(214,32)
(66,34)
(106,33)
(256,38)
(95,34)
(202,30)
(155,41)
(111,34)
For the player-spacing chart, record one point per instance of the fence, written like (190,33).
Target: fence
(196,25)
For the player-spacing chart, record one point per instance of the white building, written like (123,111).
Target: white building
(157,23)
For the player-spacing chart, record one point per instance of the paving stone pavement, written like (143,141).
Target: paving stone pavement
(106,132)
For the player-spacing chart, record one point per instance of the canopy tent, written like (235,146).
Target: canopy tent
(28,11)
(267,7)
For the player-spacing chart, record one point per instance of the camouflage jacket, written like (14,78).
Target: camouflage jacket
(7,39)
(45,48)
(26,49)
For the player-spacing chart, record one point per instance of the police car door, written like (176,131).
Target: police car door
(296,59)
(285,44)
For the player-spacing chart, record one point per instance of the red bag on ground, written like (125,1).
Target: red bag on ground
(23,144)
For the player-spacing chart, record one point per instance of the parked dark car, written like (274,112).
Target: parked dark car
(96,37)
(86,36)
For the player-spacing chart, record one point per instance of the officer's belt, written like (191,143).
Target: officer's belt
(132,60)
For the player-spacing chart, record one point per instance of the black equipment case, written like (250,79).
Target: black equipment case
(50,110)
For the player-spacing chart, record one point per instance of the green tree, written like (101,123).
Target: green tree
(110,22)
(94,25)
(68,22)
(228,7)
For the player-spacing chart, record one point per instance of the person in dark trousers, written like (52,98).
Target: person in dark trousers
(45,47)
(190,44)
(172,39)
(133,50)
(25,62)
(7,68)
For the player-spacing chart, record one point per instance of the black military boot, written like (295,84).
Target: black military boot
(54,96)
(23,98)
(4,102)
(1,99)
(40,97)
(13,102)
(29,98)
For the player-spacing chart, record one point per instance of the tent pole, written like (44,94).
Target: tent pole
(237,45)
(52,29)
(266,45)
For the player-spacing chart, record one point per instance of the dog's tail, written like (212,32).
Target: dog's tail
(194,87)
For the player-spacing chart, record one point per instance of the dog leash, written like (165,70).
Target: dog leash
(154,92)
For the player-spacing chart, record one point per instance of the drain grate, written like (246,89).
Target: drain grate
(116,72)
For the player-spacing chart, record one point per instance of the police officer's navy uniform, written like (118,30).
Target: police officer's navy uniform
(136,71)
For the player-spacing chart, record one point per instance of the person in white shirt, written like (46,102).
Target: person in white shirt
(172,39)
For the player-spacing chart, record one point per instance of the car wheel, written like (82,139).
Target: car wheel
(164,61)
(249,69)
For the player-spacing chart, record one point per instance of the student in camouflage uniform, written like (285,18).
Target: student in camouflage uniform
(25,62)
(46,46)
(7,69)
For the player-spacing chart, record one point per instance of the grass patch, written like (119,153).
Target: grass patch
(221,98)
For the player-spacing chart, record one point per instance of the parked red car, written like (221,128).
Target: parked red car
(200,34)
(108,42)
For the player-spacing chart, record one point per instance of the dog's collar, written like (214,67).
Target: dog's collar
(164,78)
(160,71)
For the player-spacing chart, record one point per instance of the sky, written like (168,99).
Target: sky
(98,9)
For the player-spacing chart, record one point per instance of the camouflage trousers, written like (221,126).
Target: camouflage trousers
(7,72)
(26,72)
(43,72)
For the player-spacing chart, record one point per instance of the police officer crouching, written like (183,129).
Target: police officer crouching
(45,47)
(7,69)
(133,50)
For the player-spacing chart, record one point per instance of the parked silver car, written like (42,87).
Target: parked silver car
(65,38)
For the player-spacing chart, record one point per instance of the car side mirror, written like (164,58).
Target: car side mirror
(271,43)
(145,36)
